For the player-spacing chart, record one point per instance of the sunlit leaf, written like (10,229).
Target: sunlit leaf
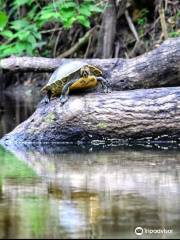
(18,3)
(31,39)
(3,20)
(23,35)
(19,24)
(84,21)
(7,34)
(84,11)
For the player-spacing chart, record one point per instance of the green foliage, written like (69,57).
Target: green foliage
(23,36)
(174,34)
(68,12)
(3,20)
(178,14)
(17,3)
(2,5)
(142,19)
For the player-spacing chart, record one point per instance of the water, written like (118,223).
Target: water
(13,111)
(87,192)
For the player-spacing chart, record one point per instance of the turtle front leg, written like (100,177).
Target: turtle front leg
(104,84)
(65,91)
(48,96)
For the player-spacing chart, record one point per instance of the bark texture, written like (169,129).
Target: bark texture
(160,67)
(133,114)
(107,32)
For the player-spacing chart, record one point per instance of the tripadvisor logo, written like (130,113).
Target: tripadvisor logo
(139,231)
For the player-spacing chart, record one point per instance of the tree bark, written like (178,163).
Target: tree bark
(107,32)
(149,113)
(160,67)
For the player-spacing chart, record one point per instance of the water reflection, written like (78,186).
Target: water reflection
(13,111)
(102,194)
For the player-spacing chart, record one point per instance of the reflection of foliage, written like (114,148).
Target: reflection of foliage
(37,212)
(21,31)
(11,167)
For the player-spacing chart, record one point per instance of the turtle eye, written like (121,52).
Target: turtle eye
(85,73)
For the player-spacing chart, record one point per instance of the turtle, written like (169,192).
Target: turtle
(71,76)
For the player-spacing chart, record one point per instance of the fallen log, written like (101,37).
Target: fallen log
(160,67)
(136,114)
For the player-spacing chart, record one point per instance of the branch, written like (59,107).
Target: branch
(163,23)
(80,42)
(131,25)
(157,68)
(134,114)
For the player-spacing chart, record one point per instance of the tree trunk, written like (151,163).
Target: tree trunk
(107,32)
(157,68)
(136,114)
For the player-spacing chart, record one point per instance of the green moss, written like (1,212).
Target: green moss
(51,117)
(102,125)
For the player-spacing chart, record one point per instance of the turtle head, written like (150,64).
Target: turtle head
(85,71)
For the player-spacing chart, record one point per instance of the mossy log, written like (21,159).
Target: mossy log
(136,114)
(160,67)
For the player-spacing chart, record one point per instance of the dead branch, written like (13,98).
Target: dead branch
(157,68)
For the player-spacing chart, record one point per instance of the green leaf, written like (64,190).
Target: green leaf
(29,50)
(68,15)
(20,47)
(19,24)
(69,22)
(7,34)
(67,5)
(84,11)
(18,3)
(22,35)
(96,9)
(8,50)
(3,20)
(37,35)
(48,16)
(32,13)
(84,21)
(174,34)
(2,47)
(31,39)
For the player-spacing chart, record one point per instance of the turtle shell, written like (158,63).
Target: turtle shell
(65,73)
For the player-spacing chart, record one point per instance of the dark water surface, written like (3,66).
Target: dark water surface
(86,192)
(13,111)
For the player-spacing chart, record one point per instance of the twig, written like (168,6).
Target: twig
(163,23)
(166,5)
(173,2)
(131,25)
(88,47)
(80,42)
(56,43)
(117,49)
(126,55)
(50,30)
(136,45)
(147,31)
